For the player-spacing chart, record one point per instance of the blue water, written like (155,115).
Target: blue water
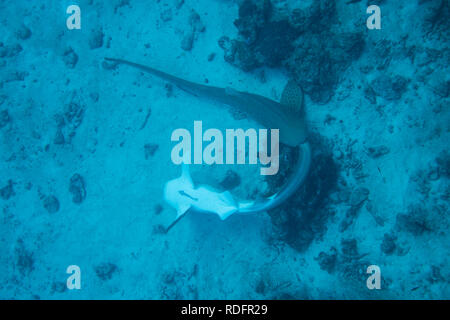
(85,150)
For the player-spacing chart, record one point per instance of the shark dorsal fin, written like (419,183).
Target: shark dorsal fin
(292,98)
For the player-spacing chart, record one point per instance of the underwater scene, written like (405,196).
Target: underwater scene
(224,149)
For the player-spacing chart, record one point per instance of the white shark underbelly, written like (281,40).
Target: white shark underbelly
(182,195)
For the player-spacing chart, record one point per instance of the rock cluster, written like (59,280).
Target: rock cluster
(302,218)
(303,41)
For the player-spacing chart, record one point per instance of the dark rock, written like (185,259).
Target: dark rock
(10,51)
(304,42)
(231,180)
(437,20)
(7,191)
(441,88)
(252,15)
(414,221)
(105,271)
(166,15)
(359,196)
(23,32)
(94,96)
(77,188)
(158,209)
(51,204)
(195,26)
(433,173)
(274,42)
(435,275)
(16,76)
(74,114)
(70,58)
(443,162)
(390,88)
(378,151)
(244,57)
(24,258)
(211,56)
(370,95)
(355,270)
(59,137)
(344,195)
(179,4)
(96,39)
(348,219)
(188,41)
(357,199)
(59,286)
(349,248)
(302,218)
(169,90)
(4,118)
(318,61)
(196,23)
(382,53)
(320,16)
(378,2)
(229,48)
(150,150)
(261,41)
(327,261)
(261,287)
(120,4)
(388,245)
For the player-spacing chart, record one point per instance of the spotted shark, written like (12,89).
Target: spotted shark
(286,115)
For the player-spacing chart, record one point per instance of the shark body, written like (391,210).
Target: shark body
(267,112)
(181,193)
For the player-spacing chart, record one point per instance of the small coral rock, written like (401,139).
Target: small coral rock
(51,204)
(70,58)
(231,180)
(390,88)
(188,41)
(388,245)
(7,191)
(4,118)
(105,270)
(96,39)
(77,188)
(327,261)
(24,32)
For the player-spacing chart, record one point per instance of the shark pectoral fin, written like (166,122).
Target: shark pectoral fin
(176,194)
(181,211)
(229,205)
(227,197)
(225,212)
